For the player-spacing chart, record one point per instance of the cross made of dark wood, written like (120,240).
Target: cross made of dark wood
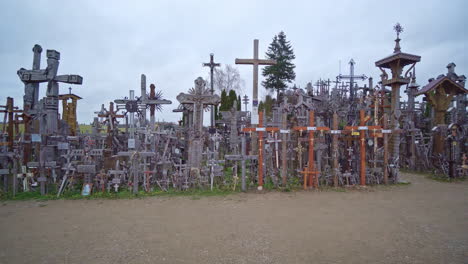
(260,129)
(310,172)
(212,66)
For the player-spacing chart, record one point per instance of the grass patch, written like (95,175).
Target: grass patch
(124,194)
(434,176)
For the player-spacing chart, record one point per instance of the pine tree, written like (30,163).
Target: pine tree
(232,98)
(224,101)
(278,76)
(239,103)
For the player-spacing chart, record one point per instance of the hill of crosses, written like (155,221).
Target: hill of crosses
(353,130)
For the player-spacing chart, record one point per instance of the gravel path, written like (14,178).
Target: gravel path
(424,222)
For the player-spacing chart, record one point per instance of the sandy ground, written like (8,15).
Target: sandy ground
(424,222)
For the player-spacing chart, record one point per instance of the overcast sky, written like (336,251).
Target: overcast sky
(111,43)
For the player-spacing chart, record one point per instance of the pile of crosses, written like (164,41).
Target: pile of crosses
(331,133)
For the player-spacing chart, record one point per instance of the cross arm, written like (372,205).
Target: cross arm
(362,77)
(70,78)
(156,102)
(266,62)
(311,129)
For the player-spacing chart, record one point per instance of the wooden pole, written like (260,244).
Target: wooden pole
(260,152)
(362,137)
(284,162)
(385,142)
(312,179)
(335,150)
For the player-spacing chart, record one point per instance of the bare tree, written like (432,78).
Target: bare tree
(227,78)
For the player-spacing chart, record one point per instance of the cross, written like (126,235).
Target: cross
(131,106)
(9,110)
(212,66)
(362,137)
(111,119)
(260,129)
(276,141)
(135,160)
(154,101)
(255,62)
(36,76)
(198,97)
(335,132)
(313,179)
(351,77)
(242,157)
(245,100)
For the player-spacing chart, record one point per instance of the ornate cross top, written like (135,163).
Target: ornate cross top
(198,96)
(211,64)
(398,29)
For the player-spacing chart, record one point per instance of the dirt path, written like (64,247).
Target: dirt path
(424,222)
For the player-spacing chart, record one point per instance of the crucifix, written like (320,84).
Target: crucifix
(352,91)
(212,66)
(362,138)
(255,61)
(351,77)
(260,129)
(198,97)
(310,172)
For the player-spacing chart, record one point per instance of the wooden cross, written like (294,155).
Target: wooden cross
(311,129)
(242,157)
(212,66)
(335,132)
(255,62)
(260,129)
(362,137)
(111,119)
(276,141)
(199,98)
(154,102)
(9,110)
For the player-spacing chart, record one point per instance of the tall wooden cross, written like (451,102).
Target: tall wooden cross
(362,138)
(212,66)
(260,129)
(255,62)
(310,172)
